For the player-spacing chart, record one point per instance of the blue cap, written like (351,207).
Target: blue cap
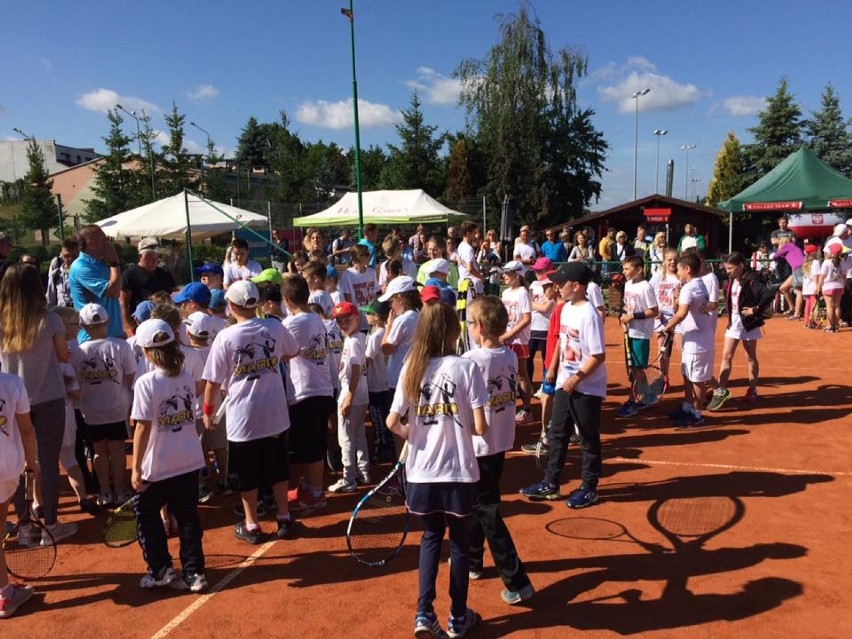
(330,271)
(193,292)
(143,311)
(217,298)
(210,267)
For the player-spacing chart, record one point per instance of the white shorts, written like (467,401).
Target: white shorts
(697,367)
(8,488)
(741,333)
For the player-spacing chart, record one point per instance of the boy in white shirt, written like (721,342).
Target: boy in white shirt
(314,274)
(637,319)
(377,381)
(516,299)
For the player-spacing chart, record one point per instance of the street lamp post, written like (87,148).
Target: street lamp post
(695,182)
(687,148)
(133,115)
(209,147)
(351,17)
(636,97)
(659,133)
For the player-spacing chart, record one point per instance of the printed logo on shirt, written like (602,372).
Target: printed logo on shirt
(95,370)
(245,363)
(317,349)
(439,401)
(571,354)
(335,342)
(177,411)
(363,292)
(501,391)
(3,420)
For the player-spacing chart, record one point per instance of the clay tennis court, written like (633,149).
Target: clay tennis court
(739,529)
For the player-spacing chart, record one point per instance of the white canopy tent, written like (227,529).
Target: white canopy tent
(170,218)
(383,207)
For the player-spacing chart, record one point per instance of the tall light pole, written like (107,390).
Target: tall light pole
(350,15)
(695,182)
(687,148)
(659,133)
(133,115)
(209,151)
(636,97)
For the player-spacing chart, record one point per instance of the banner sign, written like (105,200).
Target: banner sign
(658,215)
(772,206)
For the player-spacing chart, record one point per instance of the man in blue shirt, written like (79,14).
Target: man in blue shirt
(371,233)
(553,248)
(95,276)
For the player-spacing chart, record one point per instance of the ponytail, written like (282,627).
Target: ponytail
(168,357)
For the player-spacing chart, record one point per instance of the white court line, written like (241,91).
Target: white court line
(203,599)
(784,471)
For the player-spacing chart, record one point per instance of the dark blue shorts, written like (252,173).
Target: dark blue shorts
(452,498)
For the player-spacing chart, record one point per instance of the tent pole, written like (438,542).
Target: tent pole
(188,236)
(730,232)
(484,221)
(269,220)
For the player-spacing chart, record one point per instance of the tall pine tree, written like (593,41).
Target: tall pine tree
(827,133)
(38,210)
(179,169)
(778,133)
(116,186)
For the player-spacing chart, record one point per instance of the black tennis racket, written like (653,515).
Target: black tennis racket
(379,524)
(120,529)
(653,387)
(628,357)
(29,547)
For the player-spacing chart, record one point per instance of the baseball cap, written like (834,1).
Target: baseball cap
(542,264)
(834,249)
(243,293)
(344,309)
(438,265)
(210,267)
(849,222)
(272,275)
(430,294)
(811,249)
(513,267)
(382,309)
(154,332)
(571,272)
(401,284)
(840,228)
(201,325)
(149,244)
(92,314)
(217,298)
(193,292)
(143,310)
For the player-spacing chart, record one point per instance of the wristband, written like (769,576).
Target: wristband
(638,315)
(208,409)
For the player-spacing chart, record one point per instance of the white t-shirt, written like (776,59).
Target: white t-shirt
(169,404)
(499,369)
(245,358)
(698,333)
(402,336)
(523,252)
(321,297)
(581,335)
(440,435)
(810,272)
(595,295)
(13,401)
(359,288)
(639,296)
(377,367)
(409,268)
(466,257)
(665,287)
(337,296)
(833,275)
(102,365)
(540,321)
(193,363)
(308,373)
(517,303)
(354,347)
(334,342)
(235,272)
(138,353)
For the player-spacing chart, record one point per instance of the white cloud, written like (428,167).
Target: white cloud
(102,100)
(203,92)
(744,105)
(435,88)
(666,94)
(641,63)
(338,115)
(161,137)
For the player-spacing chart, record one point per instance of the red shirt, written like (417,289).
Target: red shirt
(552,335)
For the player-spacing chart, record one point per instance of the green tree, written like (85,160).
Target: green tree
(252,145)
(38,210)
(373,162)
(778,133)
(116,187)
(214,179)
(827,133)
(459,181)
(325,168)
(728,172)
(179,169)
(416,162)
(520,99)
(283,152)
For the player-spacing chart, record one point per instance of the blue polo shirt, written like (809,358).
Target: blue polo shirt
(88,278)
(372,249)
(554,251)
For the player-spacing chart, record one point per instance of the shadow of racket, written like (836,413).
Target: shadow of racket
(597,529)
(692,521)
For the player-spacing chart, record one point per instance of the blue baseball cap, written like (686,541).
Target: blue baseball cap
(210,267)
(143,311)
(193,292)
(217,298)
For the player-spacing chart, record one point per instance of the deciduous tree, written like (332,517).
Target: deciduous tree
(728,172)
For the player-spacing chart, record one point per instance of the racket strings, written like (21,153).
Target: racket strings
(26,557)
(696,517)
(121,529)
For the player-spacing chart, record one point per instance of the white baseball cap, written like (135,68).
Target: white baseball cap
(243,293)
(149,244)
(154,332)
(513,267)
(401,284)
(200,325)
(840,228)
(93,314)
(438,265)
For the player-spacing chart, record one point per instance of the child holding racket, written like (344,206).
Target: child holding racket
(444,399)
(666,286)
(17,454)
(167,456)
(487,319)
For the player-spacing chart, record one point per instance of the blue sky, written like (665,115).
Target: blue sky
(709,66)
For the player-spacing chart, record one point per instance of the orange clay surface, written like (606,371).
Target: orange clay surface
(774,477)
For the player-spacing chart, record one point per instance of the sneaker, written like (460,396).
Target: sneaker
(343,486)
(239,511)
(541,491)
(751,395)
(523,416)
(583,497)
(426,626)
(18,596)
(628,409)
(363,478)
(106,499)
(286,528)
(204,494)
(538,393)
(574,438)
(88,506)
(458,626)
(194,582)
(536,448)
(304,501)
(165,579)
(59,532)
(474,575)
(242,533)
(720,396)
(690,421)
(513,597)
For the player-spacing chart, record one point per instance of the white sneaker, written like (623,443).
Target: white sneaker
(538,393)
(106,499)
(343,486)
(59,532)
(149,581)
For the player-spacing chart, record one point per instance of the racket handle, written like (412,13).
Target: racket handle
(29,485)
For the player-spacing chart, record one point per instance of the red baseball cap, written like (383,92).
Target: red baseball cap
(542,264)
(430,294)
(811,248)
(344,309)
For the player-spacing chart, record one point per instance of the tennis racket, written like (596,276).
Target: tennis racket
(120,529)
(628,357)
(379,524)
(29,547)
(656,382)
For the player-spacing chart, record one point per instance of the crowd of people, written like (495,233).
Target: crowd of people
(262,381)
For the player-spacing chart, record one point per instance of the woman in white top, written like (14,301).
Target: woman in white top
(657,253)
(581,252)
(443,397)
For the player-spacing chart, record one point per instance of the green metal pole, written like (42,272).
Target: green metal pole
(188,236)
(61,217)
(350,14)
